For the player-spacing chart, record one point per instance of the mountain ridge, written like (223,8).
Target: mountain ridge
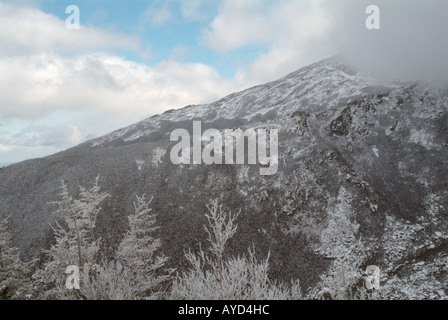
(207,111)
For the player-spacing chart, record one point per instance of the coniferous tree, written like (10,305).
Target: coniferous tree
(137,253)
(76,243)
(133,273)
(15,280)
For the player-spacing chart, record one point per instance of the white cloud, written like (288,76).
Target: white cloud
(295,32)
(47,70)
(157,14)
(39,84)
(238,24)
(4,148)
(106,91)
(243,23)
(45,136)
(20,153)
(93,94)
(160,12)
(25,30)
(191,9)
(41,80)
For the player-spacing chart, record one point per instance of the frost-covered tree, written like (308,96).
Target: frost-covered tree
(133,273)
(136,271)
(75,243)
(136,256)
(236,278)
(110,282)
(15,280)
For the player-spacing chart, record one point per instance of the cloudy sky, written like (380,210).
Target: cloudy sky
(133,59)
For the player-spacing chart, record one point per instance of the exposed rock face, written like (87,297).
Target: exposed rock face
(362,180)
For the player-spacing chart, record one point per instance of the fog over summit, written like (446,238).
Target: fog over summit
(411,43)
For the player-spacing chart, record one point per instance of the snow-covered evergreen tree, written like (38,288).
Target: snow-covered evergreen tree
(76,243)
(137,253)
(15,280)
(235,278)
(133,273)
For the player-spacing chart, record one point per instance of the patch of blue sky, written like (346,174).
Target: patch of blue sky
(178,38)
(100,12)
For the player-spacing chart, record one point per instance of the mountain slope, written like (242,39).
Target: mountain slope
(362,180)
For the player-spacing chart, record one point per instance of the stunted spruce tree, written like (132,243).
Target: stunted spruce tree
(136,271)
(137,253)
(75,243)
(133,273)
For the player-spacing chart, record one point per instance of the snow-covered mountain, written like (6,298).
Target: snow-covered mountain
(319,87)
(362,180)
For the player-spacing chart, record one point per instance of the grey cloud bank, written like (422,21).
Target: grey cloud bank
(411,44)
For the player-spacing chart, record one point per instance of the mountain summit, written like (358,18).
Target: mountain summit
(362,180)
(321,86)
